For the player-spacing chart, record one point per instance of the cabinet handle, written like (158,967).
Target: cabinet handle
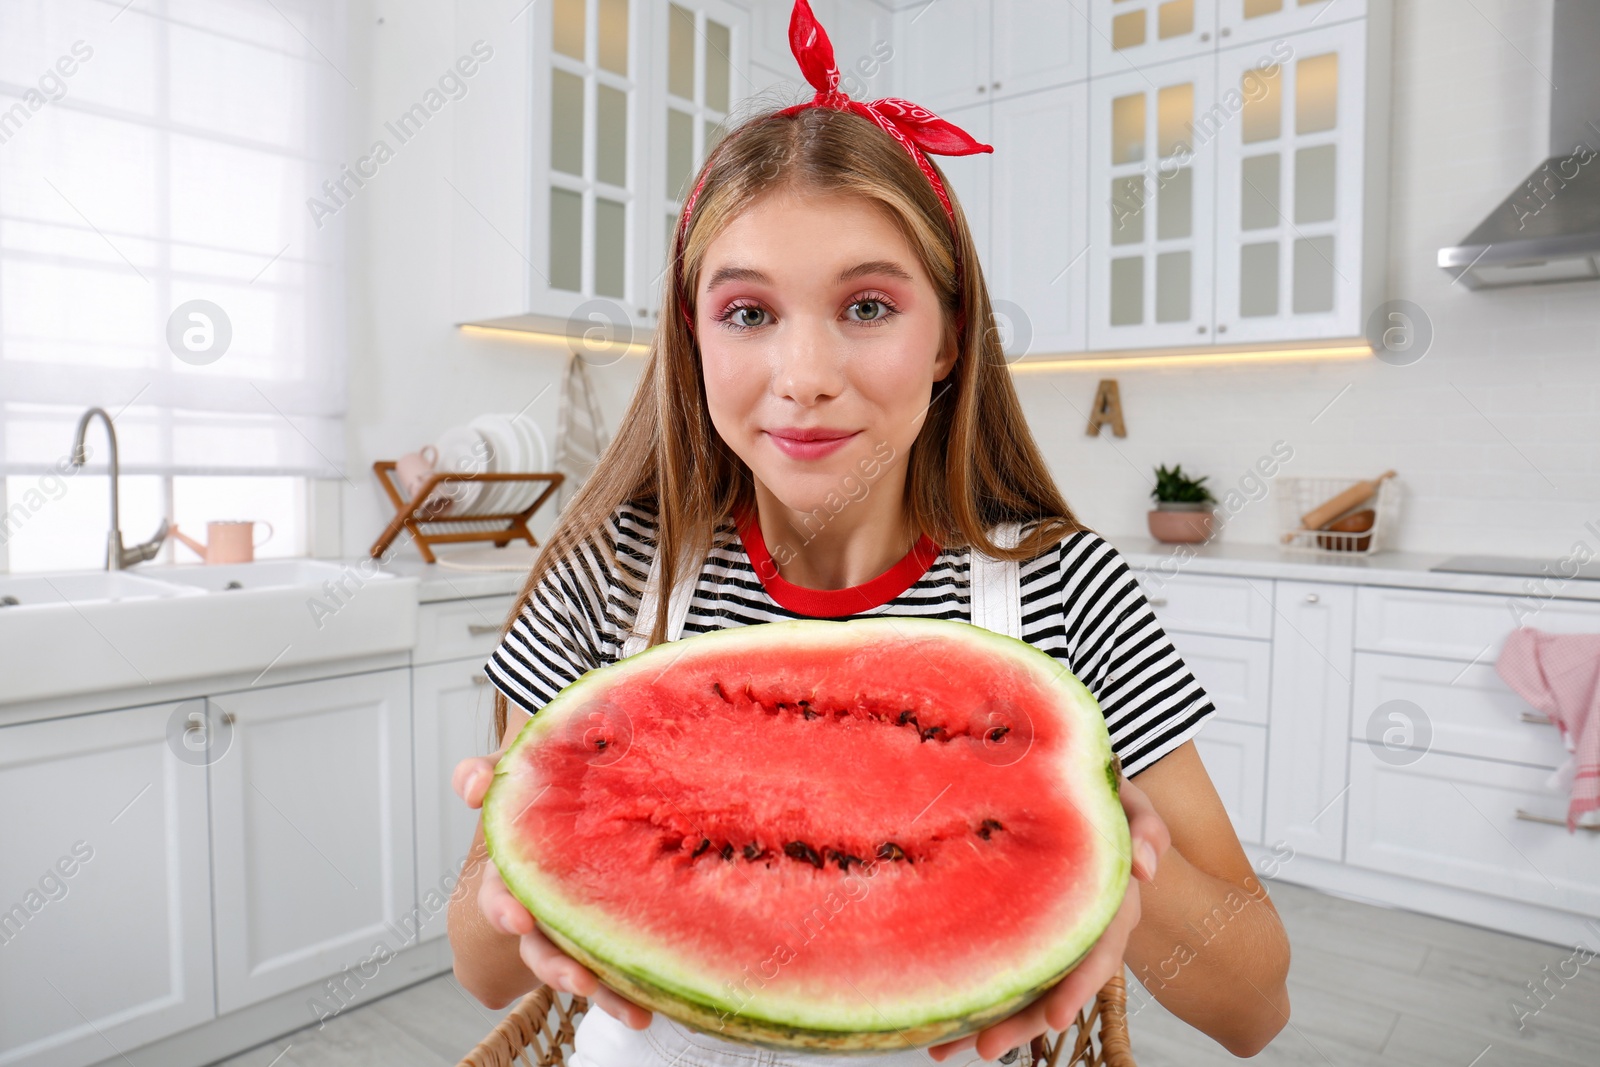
(1312,598)
(996,85)
(1226,32)
(1157,601)
(1534,717)
(981,88)
(227,718)
(1550,820)
(1205,37)
(478,679)
(1222,328)
(482,629)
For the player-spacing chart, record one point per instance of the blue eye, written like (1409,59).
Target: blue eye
(886,310)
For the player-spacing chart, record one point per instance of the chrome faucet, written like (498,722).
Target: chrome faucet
(117,557)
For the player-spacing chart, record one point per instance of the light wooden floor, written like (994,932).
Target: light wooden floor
(1368,986)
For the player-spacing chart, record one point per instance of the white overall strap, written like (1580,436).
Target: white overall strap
(677,611)
(997,586)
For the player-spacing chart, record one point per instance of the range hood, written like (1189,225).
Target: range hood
(1548,229)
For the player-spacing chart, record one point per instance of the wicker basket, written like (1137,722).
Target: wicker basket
(1296,496)
(538,1032)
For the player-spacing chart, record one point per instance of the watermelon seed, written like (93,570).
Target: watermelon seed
(717,688)
(727,852)
(890,851)
(998,732)
(906,716)
(801,851)
(809,714)
(752,851)
(704,844)
(989,826)
(929,732)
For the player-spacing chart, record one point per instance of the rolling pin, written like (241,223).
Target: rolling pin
(1352,497)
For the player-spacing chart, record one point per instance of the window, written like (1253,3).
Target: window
(172,195)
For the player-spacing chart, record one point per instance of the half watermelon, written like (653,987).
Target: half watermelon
(872,833)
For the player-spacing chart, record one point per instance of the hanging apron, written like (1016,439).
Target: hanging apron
(604,1041)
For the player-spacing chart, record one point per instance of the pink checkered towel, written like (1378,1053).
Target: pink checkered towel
(1559,674)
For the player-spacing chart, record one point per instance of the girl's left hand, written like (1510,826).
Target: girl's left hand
(1056,1008)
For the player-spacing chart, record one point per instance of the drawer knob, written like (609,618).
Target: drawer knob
(482,629)
(478,679)
(1158,601)
(1312,598)
(1535,717)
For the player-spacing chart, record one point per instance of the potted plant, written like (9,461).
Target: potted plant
(1183,513)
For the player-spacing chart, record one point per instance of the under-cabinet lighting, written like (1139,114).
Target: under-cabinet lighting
(1182,359)
(545,337)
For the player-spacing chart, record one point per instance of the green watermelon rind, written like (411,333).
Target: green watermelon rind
(655,977)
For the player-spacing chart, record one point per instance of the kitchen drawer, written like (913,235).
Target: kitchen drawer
(1453,820)
(1235,757)
(1210,604)
(1422,704)
(457,629)
(1236,673)
(1459,626)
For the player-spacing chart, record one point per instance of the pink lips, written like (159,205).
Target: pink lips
(801,443)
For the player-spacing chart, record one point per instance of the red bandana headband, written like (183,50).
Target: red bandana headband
(916,128)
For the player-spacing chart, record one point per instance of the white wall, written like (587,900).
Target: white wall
(1469,123)
(1519,475)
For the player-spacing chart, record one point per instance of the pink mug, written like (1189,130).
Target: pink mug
(227,541)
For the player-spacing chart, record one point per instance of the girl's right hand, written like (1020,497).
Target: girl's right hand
(505,913)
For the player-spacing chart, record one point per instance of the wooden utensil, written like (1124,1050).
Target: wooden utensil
(1352,497)
(1357,522)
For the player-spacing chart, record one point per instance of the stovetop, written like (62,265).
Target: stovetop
(1520,567)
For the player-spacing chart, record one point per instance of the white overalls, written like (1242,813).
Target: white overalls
(604,1041)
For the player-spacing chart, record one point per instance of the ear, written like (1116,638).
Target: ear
(947,358)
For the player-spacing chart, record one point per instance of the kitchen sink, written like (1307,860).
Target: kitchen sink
(35,590)
(261,574)
(76,632)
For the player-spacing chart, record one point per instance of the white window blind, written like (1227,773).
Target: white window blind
(153,154)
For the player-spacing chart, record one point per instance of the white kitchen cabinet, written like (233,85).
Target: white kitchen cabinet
(1469,627)
(1037,258)
(1235,757)
(1244,21)
(1151,223)
(1220,604)
(1236,673)
(1307,744)
(956,53)
(1292,158)
(1138,33)
(452,718)
(580,147)
(1455,820)
(311,831)
(105,932)
(1410,704)
(971,178)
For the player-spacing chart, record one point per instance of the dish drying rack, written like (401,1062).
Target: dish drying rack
(427,521)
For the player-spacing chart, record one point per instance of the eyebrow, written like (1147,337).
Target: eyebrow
(886,267)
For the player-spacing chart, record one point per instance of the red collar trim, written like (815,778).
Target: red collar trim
(833,603)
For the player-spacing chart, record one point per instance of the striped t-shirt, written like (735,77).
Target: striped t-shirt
(1080,604)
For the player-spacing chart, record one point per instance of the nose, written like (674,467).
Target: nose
(808,362)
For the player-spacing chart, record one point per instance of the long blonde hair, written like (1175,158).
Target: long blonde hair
(973,464)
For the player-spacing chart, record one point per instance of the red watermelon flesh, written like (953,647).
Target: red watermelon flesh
(847,835)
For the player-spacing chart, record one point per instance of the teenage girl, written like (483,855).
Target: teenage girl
(819,433)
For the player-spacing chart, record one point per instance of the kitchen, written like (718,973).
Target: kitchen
(364,233)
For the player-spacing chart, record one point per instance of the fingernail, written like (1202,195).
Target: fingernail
(1147,859)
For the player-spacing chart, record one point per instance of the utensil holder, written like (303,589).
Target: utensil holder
(1296,496)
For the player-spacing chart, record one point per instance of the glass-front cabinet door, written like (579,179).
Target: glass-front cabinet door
(1241,21)
(585,242)
(1152,163)
(1290,188)
(701,74)
(1135,33)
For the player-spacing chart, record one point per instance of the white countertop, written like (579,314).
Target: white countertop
(1404,569)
